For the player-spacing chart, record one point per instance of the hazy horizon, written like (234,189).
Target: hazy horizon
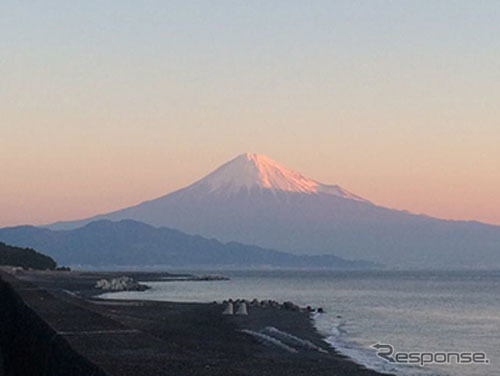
(108,104)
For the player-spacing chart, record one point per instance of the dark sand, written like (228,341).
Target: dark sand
(161,338)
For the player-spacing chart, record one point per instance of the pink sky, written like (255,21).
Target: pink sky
(69,184)
(104,106)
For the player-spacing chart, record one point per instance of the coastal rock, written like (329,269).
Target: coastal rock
(210,277)
(290,306)
(120,284)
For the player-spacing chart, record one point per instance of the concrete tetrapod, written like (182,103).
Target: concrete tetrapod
(242,309)
(229,309)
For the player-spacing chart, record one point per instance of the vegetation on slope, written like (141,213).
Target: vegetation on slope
(25,257)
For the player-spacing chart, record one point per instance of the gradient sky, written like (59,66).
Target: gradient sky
(104,104)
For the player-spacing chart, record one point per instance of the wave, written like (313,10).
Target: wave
(338,338)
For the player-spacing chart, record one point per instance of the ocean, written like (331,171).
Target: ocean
(414,311)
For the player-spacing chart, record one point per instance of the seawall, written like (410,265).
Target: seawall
(29,344)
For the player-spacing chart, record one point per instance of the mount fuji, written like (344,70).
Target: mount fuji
(254,200)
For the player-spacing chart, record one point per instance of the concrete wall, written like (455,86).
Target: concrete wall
(30,347)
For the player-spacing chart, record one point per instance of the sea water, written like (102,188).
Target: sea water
(425,311)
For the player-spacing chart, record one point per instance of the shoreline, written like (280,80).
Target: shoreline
(193,338)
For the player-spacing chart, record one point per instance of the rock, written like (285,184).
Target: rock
(120,284)
(63,269)
(290,306)
(274,303)
(209,277)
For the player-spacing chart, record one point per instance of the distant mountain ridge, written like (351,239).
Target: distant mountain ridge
(129,242)
(254,200)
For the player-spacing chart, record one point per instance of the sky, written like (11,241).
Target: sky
(105,104)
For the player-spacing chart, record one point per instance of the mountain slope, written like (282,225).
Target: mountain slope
(254,200)
(133,243)
(24,257)
(251,172)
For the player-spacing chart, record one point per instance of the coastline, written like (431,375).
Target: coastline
(192,338)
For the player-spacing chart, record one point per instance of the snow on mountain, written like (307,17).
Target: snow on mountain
(253,171)
(254,200)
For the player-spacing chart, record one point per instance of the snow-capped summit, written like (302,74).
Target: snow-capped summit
(252,199)
(252,171)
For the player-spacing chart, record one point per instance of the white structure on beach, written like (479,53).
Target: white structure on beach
(242,309)
(229,309)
